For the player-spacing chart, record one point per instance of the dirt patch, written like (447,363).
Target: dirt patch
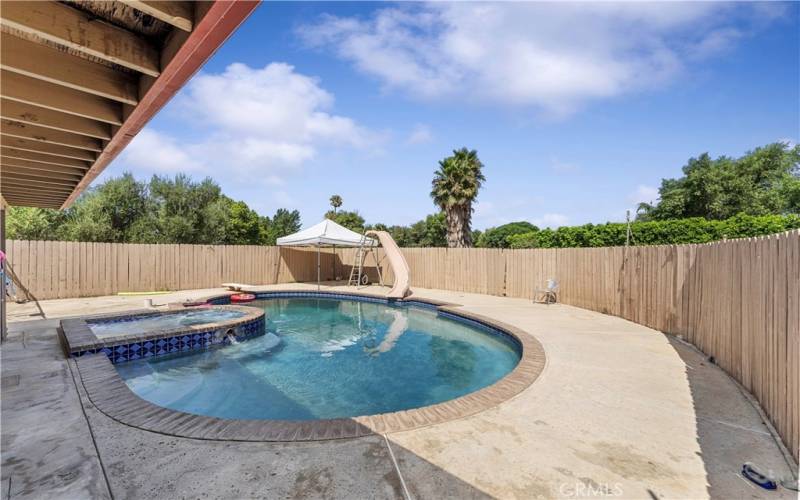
(624,461)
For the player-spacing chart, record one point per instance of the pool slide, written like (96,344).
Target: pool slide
(396,330)
(399,265)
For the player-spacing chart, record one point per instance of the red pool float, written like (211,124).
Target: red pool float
(242,297)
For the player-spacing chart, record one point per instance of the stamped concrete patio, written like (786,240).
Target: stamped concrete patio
(619,411)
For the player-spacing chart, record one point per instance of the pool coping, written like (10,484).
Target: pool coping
(110,395)
(79,339)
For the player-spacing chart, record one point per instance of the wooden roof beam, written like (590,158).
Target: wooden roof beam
(34,185)
(31,193)
(9,168)
(22,193)
(51,65)
(43,117)
(43,148)
(23,89)
(178,14)
(9,175)
(9,165)
(50,136)
(31,160)
(16,157)
(39,192)
(22,201)
(67,26)
(48,199)
(9,191)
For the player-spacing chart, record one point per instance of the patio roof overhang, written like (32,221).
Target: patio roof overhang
(79,79)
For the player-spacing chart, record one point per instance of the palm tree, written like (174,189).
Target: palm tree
(455,186)
(336,202)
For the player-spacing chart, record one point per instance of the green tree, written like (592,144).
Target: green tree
(667,232)
(762,182)
(165,210)
(233,223)
(184,209)
(351,220)
(106,212)
(497,237)
(29,223)
(429,232)
(454,188)
(336,202)
(524,240)
(400,234)
(283,223)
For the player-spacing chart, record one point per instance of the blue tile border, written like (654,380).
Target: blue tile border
(81,341)
(181,342)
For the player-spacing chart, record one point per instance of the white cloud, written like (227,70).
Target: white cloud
(553,57)
(151,151)
(789,142)
(551,220)
(716,42)
(420,134)
(643,194)
(258,124)
(273,103)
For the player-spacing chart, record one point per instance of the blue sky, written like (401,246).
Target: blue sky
(577,110)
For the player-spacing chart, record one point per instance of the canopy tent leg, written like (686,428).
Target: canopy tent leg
(334,262)
(318,288)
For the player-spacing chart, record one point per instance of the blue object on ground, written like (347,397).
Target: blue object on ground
(749,471)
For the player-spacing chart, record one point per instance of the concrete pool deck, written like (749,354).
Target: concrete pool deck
(619,411)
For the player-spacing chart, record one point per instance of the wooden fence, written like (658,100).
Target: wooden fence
(738,300)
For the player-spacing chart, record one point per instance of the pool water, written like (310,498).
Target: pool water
(164,321)
(327,358)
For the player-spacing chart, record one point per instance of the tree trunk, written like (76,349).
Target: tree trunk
(458,226)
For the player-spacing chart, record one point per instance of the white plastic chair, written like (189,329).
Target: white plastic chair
(549,294)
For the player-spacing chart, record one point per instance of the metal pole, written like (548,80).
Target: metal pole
(2,271)
(318,267)
(627,227)
(334,263)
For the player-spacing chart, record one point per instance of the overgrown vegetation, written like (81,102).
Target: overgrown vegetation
(497,237)
(762,182)
(164,210)
(678,231)
(754,195)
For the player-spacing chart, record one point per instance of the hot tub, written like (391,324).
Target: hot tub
(144,334)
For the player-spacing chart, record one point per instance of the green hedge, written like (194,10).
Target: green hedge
(666,232)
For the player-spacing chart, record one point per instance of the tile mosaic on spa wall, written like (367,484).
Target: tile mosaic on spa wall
(177,343)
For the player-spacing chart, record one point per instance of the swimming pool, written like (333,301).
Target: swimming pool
(325,358)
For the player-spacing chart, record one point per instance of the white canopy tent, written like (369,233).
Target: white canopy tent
(325,234)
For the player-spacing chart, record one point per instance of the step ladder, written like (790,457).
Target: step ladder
(357,271)
(358,276)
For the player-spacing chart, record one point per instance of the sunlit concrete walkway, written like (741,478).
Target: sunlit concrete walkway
(620,411)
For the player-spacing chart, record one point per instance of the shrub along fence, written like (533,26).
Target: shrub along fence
(736,300)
